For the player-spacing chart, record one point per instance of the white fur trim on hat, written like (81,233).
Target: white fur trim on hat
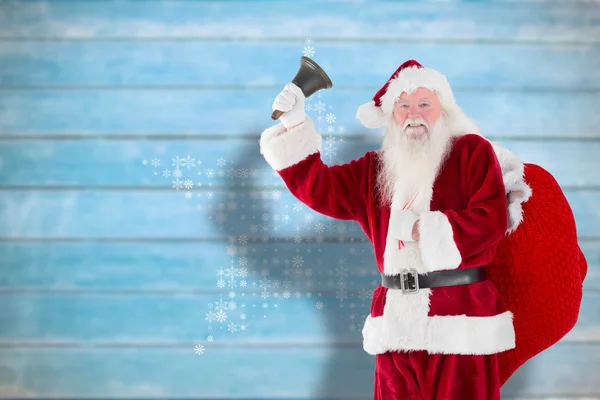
(407,80)
(412,78)
(370,115)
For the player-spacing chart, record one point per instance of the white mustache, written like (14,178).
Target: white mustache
(415,121)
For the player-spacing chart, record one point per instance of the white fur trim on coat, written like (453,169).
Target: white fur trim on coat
(405,325)
(284,149)
(396,259)
(437,245)
(401,224)
(517,191)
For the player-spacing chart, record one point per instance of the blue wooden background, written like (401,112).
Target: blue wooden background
(148,251)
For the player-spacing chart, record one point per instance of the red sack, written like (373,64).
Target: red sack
(539,270)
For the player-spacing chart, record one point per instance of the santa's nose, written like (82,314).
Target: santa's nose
(413,112)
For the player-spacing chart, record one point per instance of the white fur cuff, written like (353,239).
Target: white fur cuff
(284,149)
(401,224)
(438,249)
(518,192)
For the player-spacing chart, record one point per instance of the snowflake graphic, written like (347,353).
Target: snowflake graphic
(221,305)
(297,261)
(341,294)
(210,317)
(308,50)
(231,273)
(319,107)
(264,283)
(199,349)
(331,145)
(188,162)
(319,228)
(177,184)
(221,316)
(232,327)
(177,162)
(275,250)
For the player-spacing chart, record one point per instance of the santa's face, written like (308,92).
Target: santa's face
(417,112)
(411,154)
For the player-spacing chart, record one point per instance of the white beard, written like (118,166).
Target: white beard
(408,163)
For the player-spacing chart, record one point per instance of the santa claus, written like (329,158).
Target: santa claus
(435,201)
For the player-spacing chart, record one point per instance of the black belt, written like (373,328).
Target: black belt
(409,281)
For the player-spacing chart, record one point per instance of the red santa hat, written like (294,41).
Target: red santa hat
(407,78)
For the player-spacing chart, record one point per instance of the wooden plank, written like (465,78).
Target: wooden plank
(587,328)
(263,315)
(550,397)
(207,63)
(186,267)
(167,267)
(553,372)
(215,215)
(500,21)
(566,370)
(219,373)
(591,250)
(208,215)
(260,316)
(247,112)
(231,162)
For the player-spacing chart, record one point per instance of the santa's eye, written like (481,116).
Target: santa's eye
(424,104)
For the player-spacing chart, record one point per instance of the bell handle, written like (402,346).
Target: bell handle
(276,114)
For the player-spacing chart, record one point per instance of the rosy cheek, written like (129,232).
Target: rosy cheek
(431,116)
(399,116)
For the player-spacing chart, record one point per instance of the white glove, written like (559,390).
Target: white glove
(291,101)
(401,224)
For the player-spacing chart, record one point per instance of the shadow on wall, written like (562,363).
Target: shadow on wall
(344,288)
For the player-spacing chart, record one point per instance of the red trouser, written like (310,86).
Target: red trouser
(423,376)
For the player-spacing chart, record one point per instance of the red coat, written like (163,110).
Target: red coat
(463,216)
